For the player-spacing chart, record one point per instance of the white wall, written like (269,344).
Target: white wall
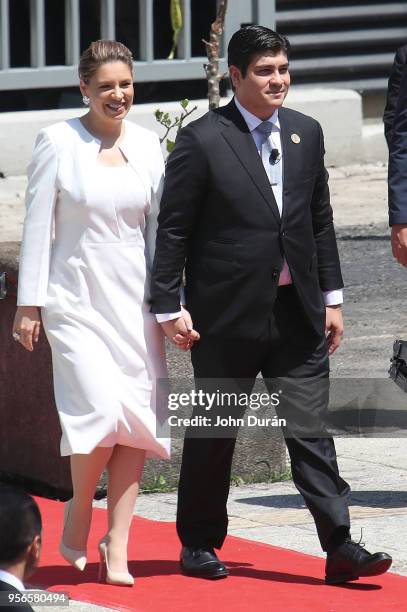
(338,111)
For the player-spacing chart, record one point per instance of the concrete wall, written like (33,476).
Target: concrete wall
(374,143)
(338,111)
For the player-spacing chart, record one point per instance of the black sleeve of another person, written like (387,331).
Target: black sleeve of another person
(398,160)
(393,88)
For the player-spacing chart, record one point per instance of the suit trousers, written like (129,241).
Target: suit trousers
(289,349)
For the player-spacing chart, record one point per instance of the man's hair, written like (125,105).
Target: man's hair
(20,522)
(254,40)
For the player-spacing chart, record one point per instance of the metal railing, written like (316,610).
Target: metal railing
(38,74)
(343,44)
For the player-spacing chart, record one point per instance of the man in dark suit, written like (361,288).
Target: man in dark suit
(20,542)
(393,88)
(398,175)
(246,209)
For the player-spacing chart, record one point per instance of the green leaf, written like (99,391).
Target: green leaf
(158,114)
(184,103)
(170,145)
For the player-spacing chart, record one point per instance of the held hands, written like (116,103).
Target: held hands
(399,243)
(180,331)
(333,327)
(27,325)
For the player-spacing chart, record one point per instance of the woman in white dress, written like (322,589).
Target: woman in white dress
(88,244)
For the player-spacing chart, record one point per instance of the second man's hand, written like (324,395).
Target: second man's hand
(333,327)
(180,331)
(399,243)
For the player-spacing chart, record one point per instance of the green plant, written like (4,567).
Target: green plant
(169,124)
(158,485)
(211,68)
(239,481)
(177,24)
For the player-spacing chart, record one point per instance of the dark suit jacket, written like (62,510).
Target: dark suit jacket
(4,586)
(398,159)
(218,213)
(393,88)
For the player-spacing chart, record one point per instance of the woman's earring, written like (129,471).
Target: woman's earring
(85,100)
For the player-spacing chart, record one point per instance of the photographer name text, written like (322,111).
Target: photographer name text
(251,420)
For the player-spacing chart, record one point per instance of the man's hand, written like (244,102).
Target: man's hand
(27,324)
(399,243)
(180,331)
(333,327)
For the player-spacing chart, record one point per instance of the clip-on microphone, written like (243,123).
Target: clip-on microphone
(274,155)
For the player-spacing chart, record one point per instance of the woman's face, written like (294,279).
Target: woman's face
(110,91)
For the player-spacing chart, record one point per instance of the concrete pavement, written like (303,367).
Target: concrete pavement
(348,138)
(358,194)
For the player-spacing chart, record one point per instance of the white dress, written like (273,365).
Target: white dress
(107,348)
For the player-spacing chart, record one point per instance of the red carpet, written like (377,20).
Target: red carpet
(262,577)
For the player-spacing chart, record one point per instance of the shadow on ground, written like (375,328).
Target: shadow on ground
(368,499)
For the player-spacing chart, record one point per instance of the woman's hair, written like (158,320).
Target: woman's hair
(100,52)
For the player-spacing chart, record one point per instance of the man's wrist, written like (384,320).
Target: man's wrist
(333,297)
(168,316)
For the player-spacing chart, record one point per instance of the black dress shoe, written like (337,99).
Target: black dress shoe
(201,562)
(350,561)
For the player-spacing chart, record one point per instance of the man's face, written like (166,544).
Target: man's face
(265,85)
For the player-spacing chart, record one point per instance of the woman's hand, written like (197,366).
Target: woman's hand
(27,324)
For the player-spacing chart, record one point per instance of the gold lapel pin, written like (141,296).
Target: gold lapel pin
(295,138)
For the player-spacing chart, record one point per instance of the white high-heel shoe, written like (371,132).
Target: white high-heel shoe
(116,578)
(77,558)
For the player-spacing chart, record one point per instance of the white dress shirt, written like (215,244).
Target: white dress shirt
(11,580)
(331,298)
